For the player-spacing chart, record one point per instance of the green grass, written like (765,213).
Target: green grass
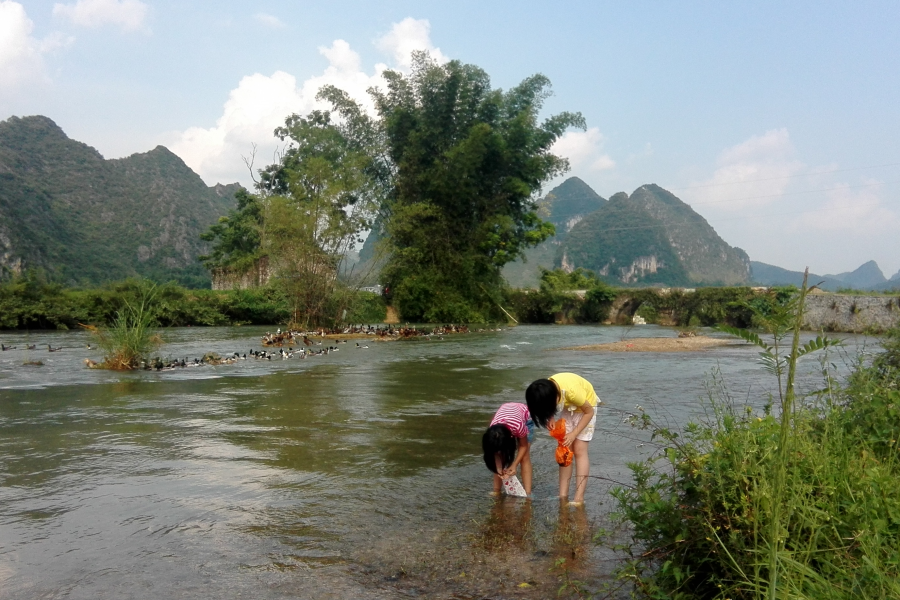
(132,335)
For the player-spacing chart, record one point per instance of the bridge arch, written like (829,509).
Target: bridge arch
(629,302)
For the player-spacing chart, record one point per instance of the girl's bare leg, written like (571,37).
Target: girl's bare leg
(565,476)
(526,471)
(498,481)
(582,469)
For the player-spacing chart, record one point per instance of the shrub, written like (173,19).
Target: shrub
(534,306)
(803,504)
(366,307)
(131,337)
(701,508)
(597,302)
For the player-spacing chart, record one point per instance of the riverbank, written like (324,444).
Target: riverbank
(756,502)
(29,304)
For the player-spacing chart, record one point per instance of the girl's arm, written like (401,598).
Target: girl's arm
(520,454)
(588,411)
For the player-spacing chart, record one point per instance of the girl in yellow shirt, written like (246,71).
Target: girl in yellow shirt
(571,398)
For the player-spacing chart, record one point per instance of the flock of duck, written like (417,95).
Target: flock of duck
(307,345)
(291,337)
(50,348)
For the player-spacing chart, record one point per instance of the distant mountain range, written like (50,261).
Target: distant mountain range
(648,238)
(653,238)
(85,220)
(867,277)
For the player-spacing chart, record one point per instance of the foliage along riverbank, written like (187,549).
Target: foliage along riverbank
(582,297)
(30,302)
(797,502)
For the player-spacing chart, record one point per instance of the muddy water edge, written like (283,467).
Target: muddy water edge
(356,474)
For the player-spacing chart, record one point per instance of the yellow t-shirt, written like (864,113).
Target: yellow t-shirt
(576,390)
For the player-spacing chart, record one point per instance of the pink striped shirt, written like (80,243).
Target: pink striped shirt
(514,415)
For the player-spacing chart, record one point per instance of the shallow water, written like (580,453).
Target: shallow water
(356,474)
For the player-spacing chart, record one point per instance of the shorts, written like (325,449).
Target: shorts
(573,418)
(530,425)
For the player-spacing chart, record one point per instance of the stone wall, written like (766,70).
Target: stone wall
(839,312)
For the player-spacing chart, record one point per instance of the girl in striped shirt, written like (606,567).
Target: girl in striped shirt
(507,444)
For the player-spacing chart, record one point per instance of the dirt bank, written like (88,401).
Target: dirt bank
(688,344)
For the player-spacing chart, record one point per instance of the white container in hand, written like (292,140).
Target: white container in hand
(513,487)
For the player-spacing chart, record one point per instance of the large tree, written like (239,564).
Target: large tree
(310,208)
(323,195)
(468,162)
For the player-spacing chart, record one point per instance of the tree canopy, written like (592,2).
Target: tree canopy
(468,161)
(236,237)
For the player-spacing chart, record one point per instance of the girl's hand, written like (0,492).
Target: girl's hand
(507,473)
(570,439)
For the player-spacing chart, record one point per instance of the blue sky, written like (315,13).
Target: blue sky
(776,121)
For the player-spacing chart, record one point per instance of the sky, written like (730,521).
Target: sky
(776,121)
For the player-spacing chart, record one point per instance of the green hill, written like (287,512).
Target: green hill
(568,203)
(84,220)
(652,237)
(564,206)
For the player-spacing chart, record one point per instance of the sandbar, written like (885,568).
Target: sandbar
(655,344)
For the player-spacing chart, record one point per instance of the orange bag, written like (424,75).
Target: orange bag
(564,455)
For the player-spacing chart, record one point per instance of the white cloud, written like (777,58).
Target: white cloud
(763,198)
(270,21)
(856,210)
(751,174)
(21,54)
(127,14)
(341,58)
(405,37)
(584,149)
(260,103)
(257,106)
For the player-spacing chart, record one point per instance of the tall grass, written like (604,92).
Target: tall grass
(801,504)
(132,335)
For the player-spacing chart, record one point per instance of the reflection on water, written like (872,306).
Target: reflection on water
(355,474)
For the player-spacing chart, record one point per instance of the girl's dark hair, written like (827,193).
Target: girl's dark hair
(541,400)
(498,438)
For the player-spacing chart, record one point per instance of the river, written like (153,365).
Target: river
(352,475)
